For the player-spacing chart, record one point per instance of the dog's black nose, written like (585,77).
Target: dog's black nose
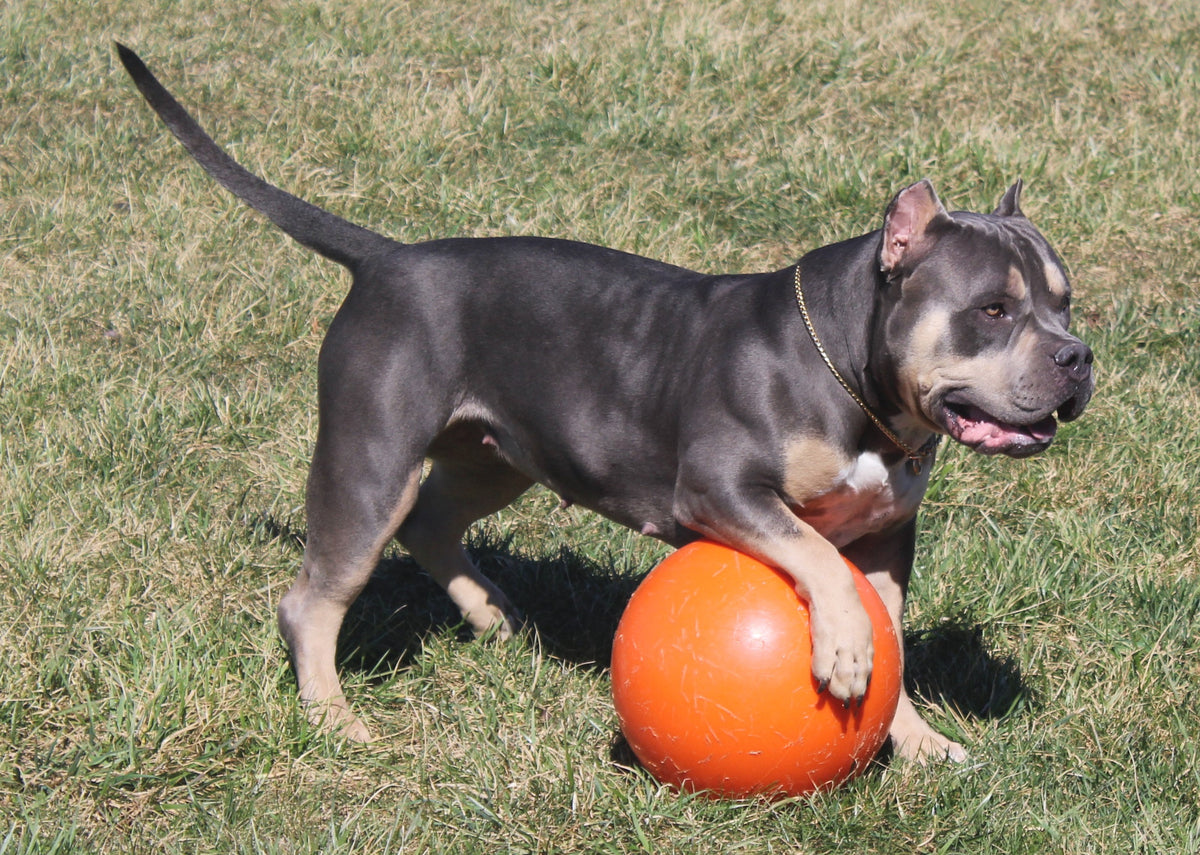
(1075,357)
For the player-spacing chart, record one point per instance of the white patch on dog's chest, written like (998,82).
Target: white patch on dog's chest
(867,496)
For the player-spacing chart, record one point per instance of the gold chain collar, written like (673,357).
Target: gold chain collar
(916,457)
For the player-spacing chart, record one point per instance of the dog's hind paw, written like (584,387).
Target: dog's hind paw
(493,623)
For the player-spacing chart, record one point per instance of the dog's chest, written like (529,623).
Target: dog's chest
(867,496)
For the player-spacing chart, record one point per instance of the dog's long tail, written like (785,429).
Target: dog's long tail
(337,239)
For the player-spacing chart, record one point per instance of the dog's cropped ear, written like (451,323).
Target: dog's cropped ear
(1010,205)
(911,226)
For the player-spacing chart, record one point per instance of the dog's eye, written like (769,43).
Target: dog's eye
(995,311)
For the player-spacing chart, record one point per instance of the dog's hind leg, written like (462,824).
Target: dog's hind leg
(352,515)
(457,492)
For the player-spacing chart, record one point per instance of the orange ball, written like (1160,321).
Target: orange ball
(713,685)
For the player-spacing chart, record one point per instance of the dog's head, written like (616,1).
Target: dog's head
(976,309)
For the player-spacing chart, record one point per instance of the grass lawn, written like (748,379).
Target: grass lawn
(157,352)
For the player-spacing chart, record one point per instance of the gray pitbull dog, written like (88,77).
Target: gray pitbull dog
(790,415)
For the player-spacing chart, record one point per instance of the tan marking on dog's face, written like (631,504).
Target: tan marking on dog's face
(1055,281)
(928,336)
(811,468)
(924,359)
(989,376)
(1016,288)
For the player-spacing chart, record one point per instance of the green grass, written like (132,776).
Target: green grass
(157,352)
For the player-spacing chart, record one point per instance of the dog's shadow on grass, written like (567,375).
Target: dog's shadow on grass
(574,603)
(951,664)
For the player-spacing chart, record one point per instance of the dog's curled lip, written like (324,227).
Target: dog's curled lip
(973,426)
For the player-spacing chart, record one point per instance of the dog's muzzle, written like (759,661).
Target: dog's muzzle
(973,426)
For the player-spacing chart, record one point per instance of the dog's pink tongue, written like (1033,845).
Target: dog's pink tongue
(980,430)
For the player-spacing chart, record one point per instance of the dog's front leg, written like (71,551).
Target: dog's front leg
(760,524)
(886,560)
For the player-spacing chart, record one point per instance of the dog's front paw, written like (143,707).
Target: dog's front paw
(843,652)
(930,748)
(914,740)
(334,716)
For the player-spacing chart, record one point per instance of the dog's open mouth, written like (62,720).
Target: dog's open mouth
(987,434)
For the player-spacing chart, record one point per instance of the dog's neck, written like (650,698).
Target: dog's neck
(843,302)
